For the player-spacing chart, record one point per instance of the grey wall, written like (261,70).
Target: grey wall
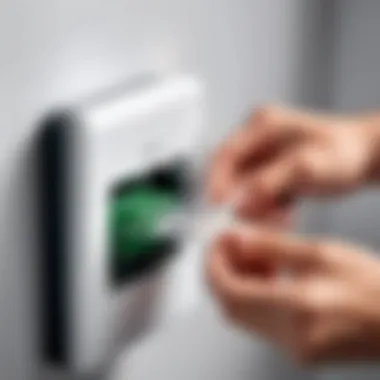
(355,84)
(247,52)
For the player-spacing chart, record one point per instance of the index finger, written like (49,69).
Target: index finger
(285,250)
(232,287)
(267,130)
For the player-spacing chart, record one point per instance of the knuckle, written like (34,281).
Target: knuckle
(318,250)
(312,306)
(329,253)
(316,307)
(307,167)
(334,251)
(267,115)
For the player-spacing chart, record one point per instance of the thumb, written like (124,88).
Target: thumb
(246,246)
(305,171)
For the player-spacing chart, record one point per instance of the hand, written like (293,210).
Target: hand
(328,308)
(281,154)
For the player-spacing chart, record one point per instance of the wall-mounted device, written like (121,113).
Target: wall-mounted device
(113,169)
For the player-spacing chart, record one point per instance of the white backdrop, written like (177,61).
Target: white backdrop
(246,51)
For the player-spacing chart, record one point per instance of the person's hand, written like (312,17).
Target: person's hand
(280,154)
(326,310)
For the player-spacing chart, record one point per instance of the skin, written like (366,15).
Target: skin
(327,308)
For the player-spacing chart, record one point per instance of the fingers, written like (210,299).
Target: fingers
(251,244)
(236,252)
(266,132)
(234,289)
(305,171)
(315,316)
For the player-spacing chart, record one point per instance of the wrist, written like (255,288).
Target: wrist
(371,132)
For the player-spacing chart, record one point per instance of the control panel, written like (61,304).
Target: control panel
(114,170)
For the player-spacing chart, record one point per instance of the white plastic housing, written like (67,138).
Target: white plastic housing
(114,139)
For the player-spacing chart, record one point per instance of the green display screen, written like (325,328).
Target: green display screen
(136,209)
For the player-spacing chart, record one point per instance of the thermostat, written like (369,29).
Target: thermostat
(113,168)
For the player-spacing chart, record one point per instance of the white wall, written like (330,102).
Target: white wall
(247,52)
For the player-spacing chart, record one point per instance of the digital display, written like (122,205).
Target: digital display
(137,207)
